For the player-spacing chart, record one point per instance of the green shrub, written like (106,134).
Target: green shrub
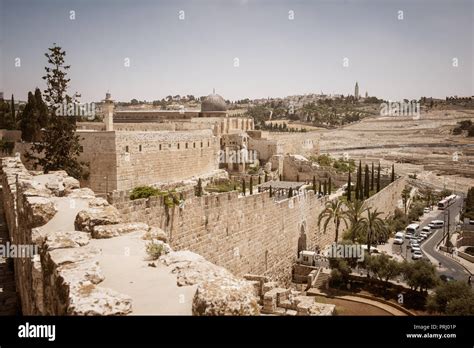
(154,250)
(144,192)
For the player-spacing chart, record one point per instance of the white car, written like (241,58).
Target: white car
(398,241)
(426,210)
(416,255)
(427,230)
(424,235)
(408,236)
(415,248)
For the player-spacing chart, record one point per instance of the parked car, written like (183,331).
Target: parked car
(437,223)
(424,235)
(420,239)
(445,278)
(427,230)
(416,255)
(398,240)
(415,248)
(432,226)
(408,236)
(426,210)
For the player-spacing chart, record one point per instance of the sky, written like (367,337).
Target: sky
(282,47)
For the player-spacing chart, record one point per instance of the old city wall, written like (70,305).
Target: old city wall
(145,158)
(252,234)
(303,143)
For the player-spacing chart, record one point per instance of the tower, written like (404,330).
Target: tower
(356,91)
(108,111)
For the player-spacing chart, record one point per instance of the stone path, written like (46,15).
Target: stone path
(8,297)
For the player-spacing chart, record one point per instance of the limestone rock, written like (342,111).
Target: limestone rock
(67,239)
(98,202)
(29,187)
(43,210)
(70,255)
(156,233)
(55,184)
(70,184)
(109,231)
(78,273)
(225,296)
(89,299)
(88,218)
(84,192)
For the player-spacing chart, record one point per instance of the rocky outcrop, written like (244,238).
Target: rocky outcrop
(109,231)
(156,233)
(88,299)
(218,292)
(87,219)
(225,296)
(42,209)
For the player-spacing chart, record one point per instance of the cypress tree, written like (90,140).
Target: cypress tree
(280,177)
(349,187)
(266,177)
(297,177)
(366,182)
(12,114)
(372,178)
(329,186)
(243,186)
(271,193)
(290,192)
(393,172)
(378,178)
(314,184)
(251,186)
(259,179)
(199,188)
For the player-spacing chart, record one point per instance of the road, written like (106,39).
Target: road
(448,267)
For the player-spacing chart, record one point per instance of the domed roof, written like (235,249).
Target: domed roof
(213,102)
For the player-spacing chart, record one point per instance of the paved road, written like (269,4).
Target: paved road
(448,266)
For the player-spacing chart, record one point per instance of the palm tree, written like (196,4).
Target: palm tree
(333,212)
(354,214)
(373,226)
(405,197)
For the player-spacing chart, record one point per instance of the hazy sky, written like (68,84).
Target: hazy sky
(390,58)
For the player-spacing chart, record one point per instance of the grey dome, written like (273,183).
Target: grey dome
(213,102)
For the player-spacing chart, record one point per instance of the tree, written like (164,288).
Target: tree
(59,146)
(34,117)
(290,192)
(393,172)
(314,184)
(378,178)
(420,274)
(251,185)
(243,186)
(334,212)
(199,188)
(373,227)
(329,185)
(405,197)
(383,267)
(366,182)
(349,187)
(271,193)
(354,213)
(372,178)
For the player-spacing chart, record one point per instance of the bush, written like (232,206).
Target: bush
(452,298)
(155,250)
(144,192)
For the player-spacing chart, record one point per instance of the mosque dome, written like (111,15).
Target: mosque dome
(213,102)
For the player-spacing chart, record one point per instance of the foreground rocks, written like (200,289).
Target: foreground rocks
(87,219)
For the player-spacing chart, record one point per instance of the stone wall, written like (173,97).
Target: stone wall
(252,234)
(305,144)
(62,277)
(122,160)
